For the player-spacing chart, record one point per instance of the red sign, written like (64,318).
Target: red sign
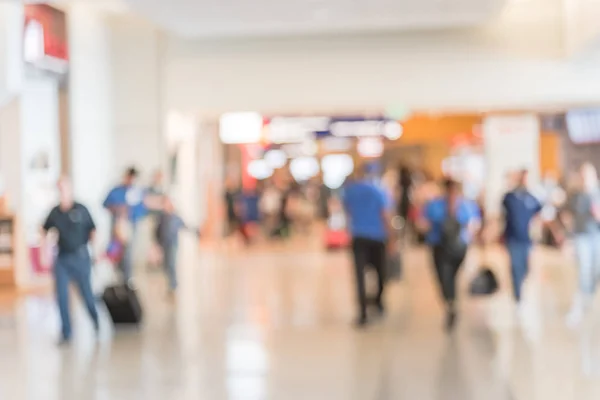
(53,33)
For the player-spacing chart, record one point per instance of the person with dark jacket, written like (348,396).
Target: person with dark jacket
(520,207)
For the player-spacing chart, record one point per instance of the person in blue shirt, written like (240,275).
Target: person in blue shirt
(369,210)
(132,198)
(449,222)
(520,207)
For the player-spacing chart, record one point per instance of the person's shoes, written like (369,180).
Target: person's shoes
(361,322)
(64,342)
(450,320)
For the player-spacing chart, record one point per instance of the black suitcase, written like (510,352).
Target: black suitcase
(123,304)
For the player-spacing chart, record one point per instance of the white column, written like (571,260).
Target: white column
(93,161)
(136,69)
(39,161)
(512,143)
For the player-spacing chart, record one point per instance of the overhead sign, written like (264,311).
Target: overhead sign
(295,129)
(244,128)
(583,126)
(300,129)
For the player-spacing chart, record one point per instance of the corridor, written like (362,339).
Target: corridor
(276,324)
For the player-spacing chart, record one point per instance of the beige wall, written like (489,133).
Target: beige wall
(520,60)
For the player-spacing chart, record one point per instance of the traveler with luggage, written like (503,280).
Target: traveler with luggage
(369,209)
(127,195)
(449,223)
(75,228)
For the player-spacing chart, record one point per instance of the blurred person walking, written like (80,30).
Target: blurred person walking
(449,221)
(234,204)
(76,229)
(157,190)
(269,203)
(405,184)
(169,224)
(127,195)
(520,207)
(370,212)
(581,217)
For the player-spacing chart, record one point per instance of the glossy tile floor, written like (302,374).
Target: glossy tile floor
(274,323)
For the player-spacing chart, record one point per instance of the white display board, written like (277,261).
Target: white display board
(511,143)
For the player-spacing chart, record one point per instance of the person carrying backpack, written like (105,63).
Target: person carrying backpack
(449,222)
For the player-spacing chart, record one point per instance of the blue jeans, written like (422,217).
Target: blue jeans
(170,263)
(126,263)
(587,248)
(519,264)
(74,267)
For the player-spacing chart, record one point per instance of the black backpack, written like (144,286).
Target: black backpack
(452,242)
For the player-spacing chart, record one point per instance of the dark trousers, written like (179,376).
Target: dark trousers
(76,267)
(170,263)
(372,253)
(447,265)
(519,264)
(236,225)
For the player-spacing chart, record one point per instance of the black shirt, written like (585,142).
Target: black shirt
(74,227)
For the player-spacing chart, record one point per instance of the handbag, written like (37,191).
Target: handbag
(484,283)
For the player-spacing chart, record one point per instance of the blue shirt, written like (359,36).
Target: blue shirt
(436,212)
(251,209)
(130,196)
(520,207)
(365,203)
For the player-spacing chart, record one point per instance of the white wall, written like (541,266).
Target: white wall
(581,26)
(518,61)
(136,68)
(39,134)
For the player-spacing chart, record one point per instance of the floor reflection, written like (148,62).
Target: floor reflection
(277,326)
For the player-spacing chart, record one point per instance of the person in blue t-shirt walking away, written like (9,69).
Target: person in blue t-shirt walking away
(450,223)
(520,207)
(369,210)
(132,198)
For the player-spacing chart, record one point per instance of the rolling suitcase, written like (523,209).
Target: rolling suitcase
(123,304)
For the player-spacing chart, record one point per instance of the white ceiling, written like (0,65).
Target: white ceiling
(222,18)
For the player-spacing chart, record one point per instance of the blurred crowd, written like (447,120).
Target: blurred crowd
(374,211)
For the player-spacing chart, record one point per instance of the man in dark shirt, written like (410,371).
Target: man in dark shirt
(520,207)
(75,228)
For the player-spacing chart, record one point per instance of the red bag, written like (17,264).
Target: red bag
(337,239)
